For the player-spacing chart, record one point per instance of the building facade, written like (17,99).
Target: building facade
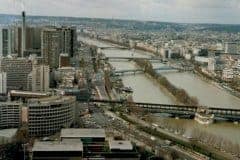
(46,116)
(38,79)
(3,83)
(17,70)
(51,46)
(10,114)
(5,41)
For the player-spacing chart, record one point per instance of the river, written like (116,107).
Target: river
(146,90)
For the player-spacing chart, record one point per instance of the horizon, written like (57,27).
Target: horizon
(119,19)
(172,11)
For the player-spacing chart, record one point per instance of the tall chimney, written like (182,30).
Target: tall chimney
(23,33)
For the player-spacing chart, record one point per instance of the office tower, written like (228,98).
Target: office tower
(5,41)
(17,70)
(38,79)
(69,40)
(23,33)
(3,83)
(51,46)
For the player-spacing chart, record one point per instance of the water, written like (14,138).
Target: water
(207,93)
(146,90)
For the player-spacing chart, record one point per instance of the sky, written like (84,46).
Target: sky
(183,11)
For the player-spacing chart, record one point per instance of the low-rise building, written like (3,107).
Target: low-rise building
(227,74)
(7,136)
(63,150)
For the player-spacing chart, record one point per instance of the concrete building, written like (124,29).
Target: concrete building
(23,33)
(64,60)
(5,41)
(55,41)
(84,134)
(57,150)
(17,70)
(227,74)
(10,114)
(231,48)
(46,116)
(211,64)
(38,79)
(3,83)
(7,136)
(69,40)
(51,46)
(85,144)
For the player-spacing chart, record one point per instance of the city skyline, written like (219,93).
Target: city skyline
(180,11)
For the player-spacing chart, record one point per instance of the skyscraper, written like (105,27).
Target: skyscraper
(5,41)
(69,40)
(23,33)
(51,46)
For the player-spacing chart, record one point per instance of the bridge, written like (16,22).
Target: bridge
(179,110)
(133,58)
(113,47)
(134,71)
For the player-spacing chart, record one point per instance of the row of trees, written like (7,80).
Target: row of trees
(216,141)
(181,95)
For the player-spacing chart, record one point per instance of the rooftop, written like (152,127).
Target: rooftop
(8,133)
(83,133)
(51,99)
(120,145)
(57,146)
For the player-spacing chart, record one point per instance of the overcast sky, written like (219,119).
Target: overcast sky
(193,11)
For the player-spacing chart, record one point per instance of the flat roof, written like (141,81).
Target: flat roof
(8,133)
(120,145)
(83,133)
(57,146)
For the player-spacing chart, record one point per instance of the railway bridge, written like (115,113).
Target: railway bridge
(179,110)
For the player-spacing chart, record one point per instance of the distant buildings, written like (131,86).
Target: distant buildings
(231,47)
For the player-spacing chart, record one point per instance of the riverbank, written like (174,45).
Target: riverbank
(180,94)
(215,83)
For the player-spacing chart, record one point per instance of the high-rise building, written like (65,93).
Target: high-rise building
(17,70)
(3,83)
(69,40)
(23,33)
(5,41)
(56,40)
(38,79)
(51,46)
